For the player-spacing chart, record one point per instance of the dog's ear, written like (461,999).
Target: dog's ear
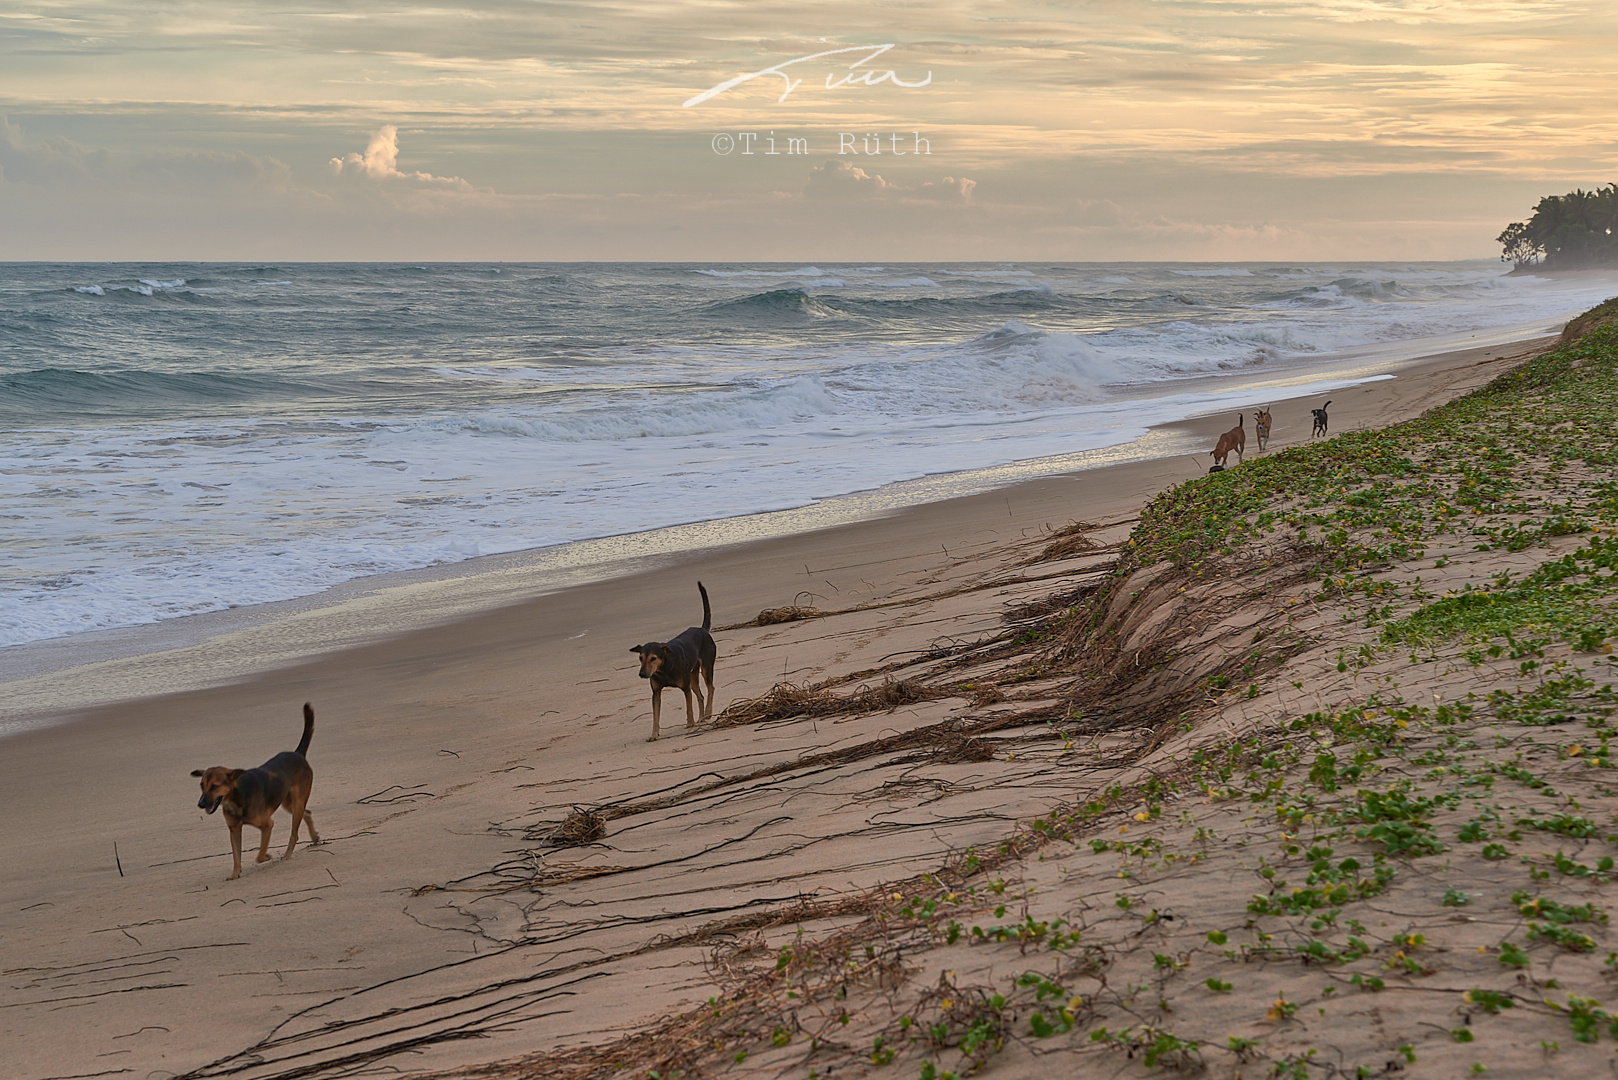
(234,774)
(196,772)
(634,648)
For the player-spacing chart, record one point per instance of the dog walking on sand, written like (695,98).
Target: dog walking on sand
(678,662)
(1319,427)
(251,796)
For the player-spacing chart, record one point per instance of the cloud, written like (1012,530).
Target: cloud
(60,163)
(845,181)
(948,189)
(381,162)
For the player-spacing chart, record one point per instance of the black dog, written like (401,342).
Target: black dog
(1320,421)
(678,663)
(252,796)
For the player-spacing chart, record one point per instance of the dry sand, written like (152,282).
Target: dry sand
(434,927)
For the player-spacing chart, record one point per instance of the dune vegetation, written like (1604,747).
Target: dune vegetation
(1339,725)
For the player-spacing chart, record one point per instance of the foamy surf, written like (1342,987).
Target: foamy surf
(191,439)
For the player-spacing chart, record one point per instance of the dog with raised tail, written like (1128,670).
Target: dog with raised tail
(1234,439)
(679,662)
(1261,428)
(1319,427)
(251,796)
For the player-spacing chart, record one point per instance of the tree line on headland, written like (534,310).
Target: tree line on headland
(1567,231)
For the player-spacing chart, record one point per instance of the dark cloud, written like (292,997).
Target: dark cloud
(61,163)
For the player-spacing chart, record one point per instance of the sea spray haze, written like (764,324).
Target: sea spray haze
(184,438)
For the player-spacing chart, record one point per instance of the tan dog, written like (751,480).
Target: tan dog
(1234,439)
(679,662)
(1261,428)
(251,796)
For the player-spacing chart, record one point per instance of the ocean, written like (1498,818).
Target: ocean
(185,438)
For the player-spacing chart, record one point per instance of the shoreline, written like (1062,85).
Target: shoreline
(448,757)
(52,681)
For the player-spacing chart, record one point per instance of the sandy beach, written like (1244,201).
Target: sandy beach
(438,926)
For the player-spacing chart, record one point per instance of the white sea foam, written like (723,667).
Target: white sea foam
(245,515)
(519,444)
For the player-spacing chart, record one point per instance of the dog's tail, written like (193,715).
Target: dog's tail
(308,730)
(1323,407)
(707,616)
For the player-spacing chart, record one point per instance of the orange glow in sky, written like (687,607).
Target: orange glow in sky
(560,131)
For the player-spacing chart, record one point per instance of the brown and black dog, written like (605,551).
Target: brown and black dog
(251,796)
(678,662)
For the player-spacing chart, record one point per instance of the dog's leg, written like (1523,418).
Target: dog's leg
(297,805)
(690,717)
(264,840)
(297,820)
(235,850)
(657,710)
(702,705)
(707,673)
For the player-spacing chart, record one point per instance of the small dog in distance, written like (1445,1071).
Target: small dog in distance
(1261,428)
(1319,427)
(1234,439)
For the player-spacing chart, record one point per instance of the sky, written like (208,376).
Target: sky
(536,130)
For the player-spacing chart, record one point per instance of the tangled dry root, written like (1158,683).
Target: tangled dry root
(790,613)
(786,700)
(579,828)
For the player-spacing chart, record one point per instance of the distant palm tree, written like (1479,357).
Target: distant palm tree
(1567,231)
